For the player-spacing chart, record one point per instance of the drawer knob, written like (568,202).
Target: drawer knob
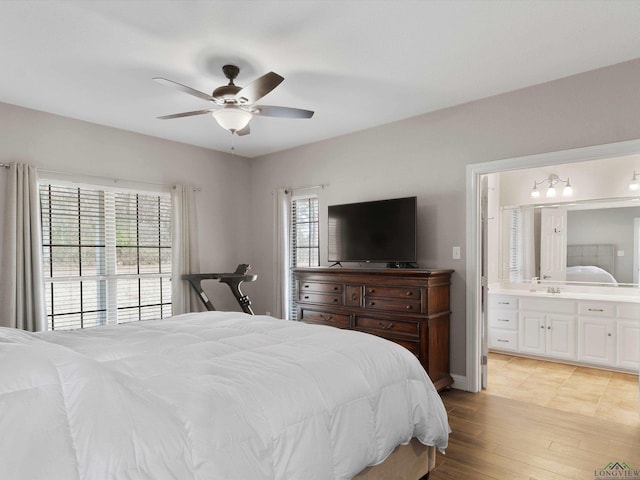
(371,290)
(596,309)
(542,326)
(409,294)
(335,288)
(549,327)
(503,341)
(608,334)
(306,297)
(503,319)
(372,303)
(306,286)
(335,300)
(385,327)
(409,307)
(354,296)
(504,303)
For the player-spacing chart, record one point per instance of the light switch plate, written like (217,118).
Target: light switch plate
(456,253)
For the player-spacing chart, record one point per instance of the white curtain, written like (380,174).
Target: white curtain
(22,303)
(281,254)
(184,248)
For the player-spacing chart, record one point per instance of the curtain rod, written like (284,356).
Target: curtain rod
(114,180)
(301,189)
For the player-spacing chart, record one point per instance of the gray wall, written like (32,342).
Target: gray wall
(57,143)
(427,156)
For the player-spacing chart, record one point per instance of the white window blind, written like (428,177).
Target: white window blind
(304,238)
(107,256)
(516,253)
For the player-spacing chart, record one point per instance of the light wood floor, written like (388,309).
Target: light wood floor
(501,438)
(589,391)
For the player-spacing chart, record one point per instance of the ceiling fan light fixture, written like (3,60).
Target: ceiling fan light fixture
(232,119)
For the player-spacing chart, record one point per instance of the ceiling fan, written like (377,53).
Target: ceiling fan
(234,106)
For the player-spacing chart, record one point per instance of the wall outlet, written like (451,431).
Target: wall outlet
(456,253)
(620,253)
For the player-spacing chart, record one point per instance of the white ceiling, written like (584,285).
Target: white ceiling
(356,63)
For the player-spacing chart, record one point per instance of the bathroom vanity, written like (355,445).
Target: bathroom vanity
(592,329)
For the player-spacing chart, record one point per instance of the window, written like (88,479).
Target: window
(107,256)
(515,245)
(305,239)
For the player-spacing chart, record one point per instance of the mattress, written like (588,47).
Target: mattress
(212,395)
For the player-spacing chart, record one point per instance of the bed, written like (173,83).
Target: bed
(214,395)
(591,263)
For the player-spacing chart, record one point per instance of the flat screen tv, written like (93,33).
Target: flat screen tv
(382,231)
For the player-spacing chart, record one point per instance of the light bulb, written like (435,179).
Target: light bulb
(551,192)
(535,193)
(634,185)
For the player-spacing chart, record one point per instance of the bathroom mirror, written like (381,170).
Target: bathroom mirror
(601,242)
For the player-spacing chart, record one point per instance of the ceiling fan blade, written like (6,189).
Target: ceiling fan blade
(245,131)
(184,88)
(282,112)
(259,88)
(186,114)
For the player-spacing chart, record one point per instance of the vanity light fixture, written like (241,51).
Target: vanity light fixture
(551,181)
(634,184)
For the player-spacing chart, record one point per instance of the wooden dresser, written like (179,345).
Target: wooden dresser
(407,306)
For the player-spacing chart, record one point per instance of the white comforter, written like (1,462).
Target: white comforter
(209,396)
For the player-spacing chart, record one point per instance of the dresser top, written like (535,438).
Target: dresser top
(404,272)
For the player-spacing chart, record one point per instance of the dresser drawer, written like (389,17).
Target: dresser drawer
(413,347)
(598,309)
(318,287)
(325,318)
(392,304)
(382,327)
(392,292)
(507,319)
(503,339)
(322,298)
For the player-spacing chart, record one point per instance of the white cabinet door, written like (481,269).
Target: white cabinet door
(561,336)
(532,332)
(596,341)
(628,344)
(553,244)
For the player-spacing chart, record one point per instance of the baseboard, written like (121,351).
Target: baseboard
(460,382)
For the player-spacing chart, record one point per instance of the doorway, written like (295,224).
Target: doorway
(475,257)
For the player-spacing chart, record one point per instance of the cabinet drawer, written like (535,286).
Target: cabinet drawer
(503,302)
(507,319)
(503,339)
(392,292)
(629,310)
(317,287)
(325,299)
(409,306)
(382,327)
(548,305)
(599,309)
(325,318)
